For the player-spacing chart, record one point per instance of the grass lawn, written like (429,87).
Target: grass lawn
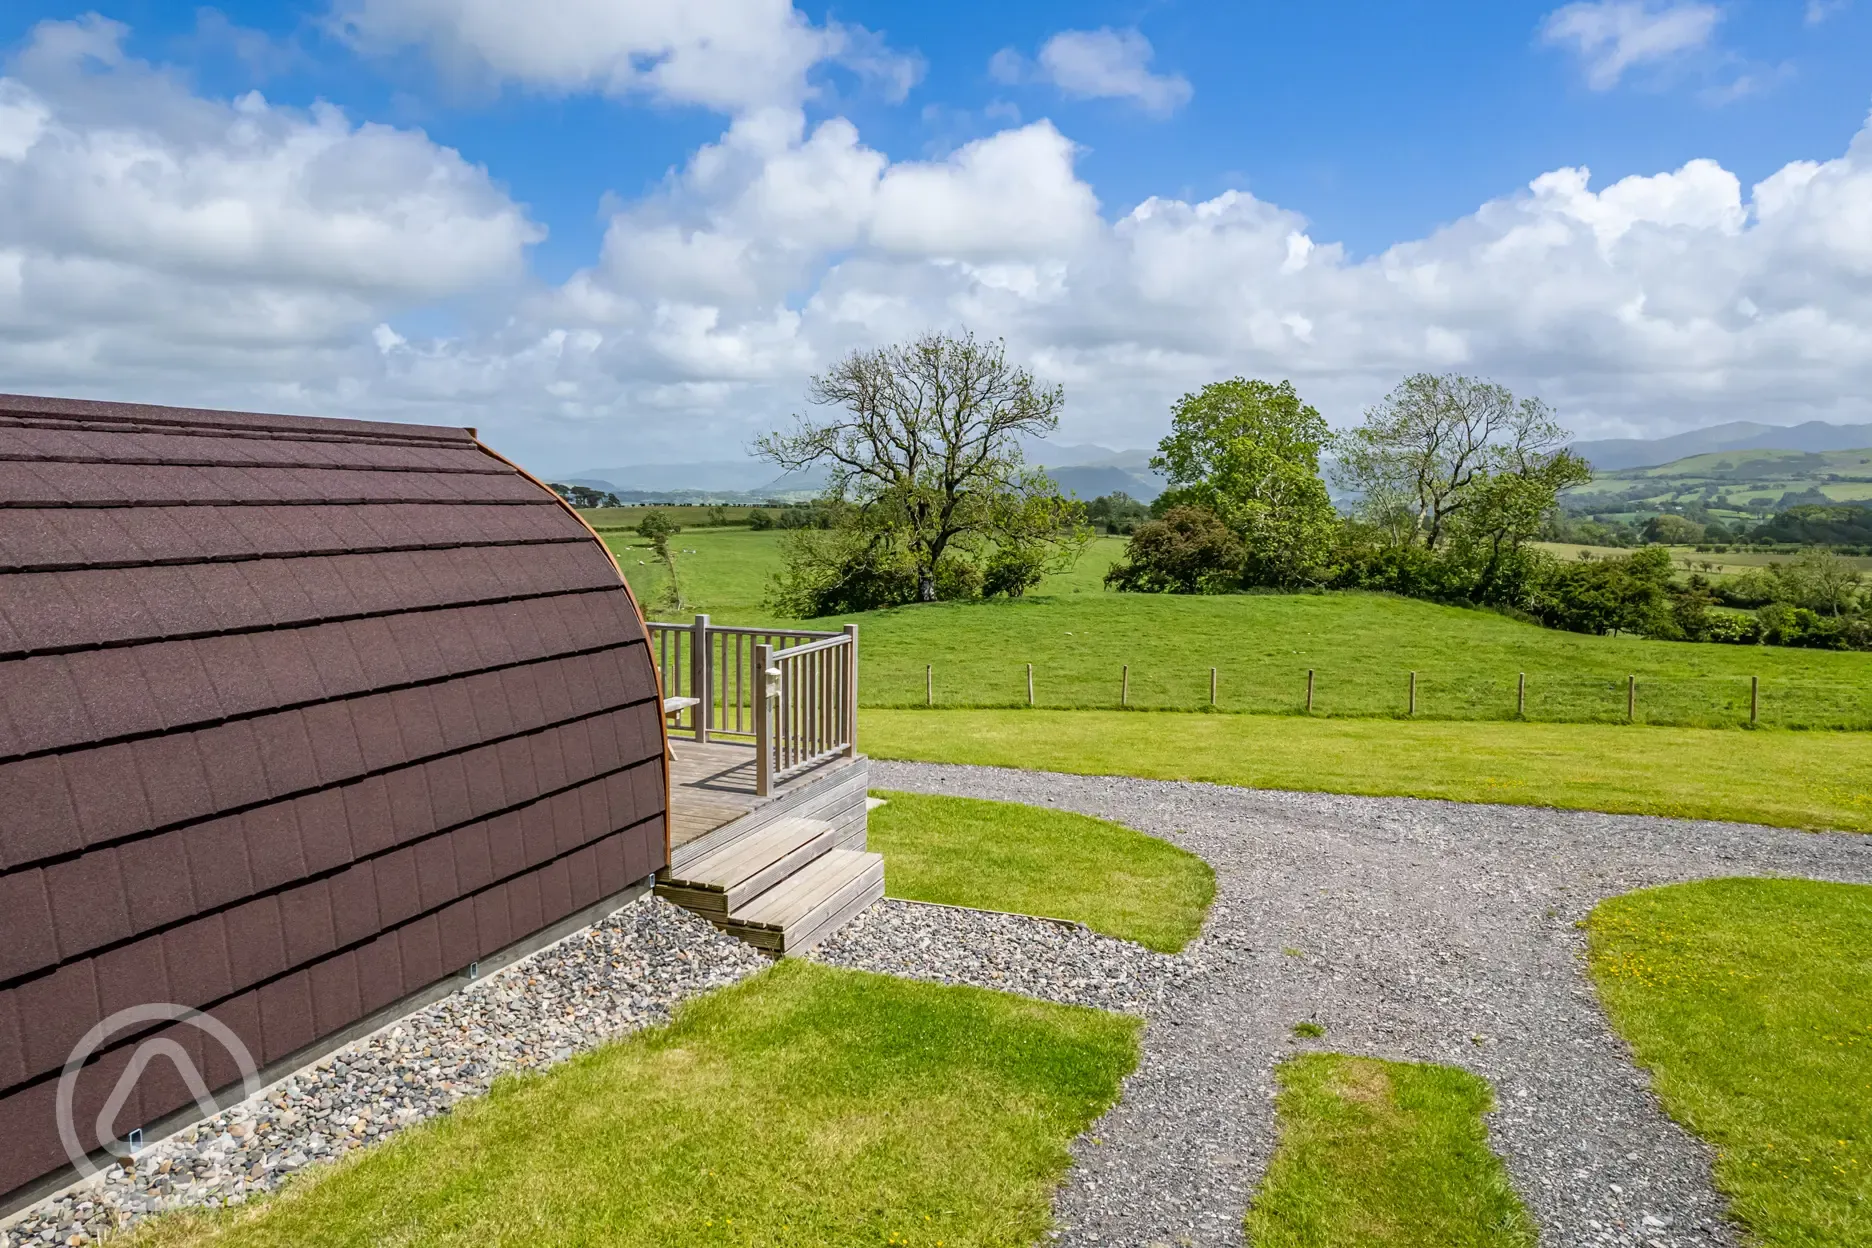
(1750,1001)
(1384,1155)
(1005,856)
(807,1106)
(1361,648)
(1814,780)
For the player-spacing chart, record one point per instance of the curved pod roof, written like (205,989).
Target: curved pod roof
(297,717)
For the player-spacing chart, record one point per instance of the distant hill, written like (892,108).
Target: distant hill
(1616,454)
(1087,471)
(1734,484)
(710,482)
(740,474)
(1091,471)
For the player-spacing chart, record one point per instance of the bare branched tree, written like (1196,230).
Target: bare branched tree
(924,441)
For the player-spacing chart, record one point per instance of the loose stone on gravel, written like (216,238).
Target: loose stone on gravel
(624,973)
(1043,958)
(1416,930)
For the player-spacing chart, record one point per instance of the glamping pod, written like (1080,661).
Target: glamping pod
(298,717)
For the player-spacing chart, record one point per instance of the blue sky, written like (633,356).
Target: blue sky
(504,228)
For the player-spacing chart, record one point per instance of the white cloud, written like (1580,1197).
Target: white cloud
(1007,66)
(1652,302)
(155,245)
(1819,10)
(1097,64)
(146,230)
(727,55)
(1612,36)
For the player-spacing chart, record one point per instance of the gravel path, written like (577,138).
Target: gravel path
(1432,931)
(1044,958)
(625,972)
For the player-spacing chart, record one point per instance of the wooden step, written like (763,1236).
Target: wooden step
(810,904)
(714,885)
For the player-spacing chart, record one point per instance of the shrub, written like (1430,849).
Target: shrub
(759,520)
(1629,594)
(1732,629)
(811,516)
(1014,569)
(1188,551)
(834,572)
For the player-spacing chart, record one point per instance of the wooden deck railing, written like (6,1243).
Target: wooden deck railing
(792,692)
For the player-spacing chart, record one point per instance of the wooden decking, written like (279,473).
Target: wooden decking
(712,785)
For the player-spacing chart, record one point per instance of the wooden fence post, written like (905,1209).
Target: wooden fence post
(1631,698)
(1030,684)
(1520,697)
(1413,694)
(929,684)
(1212,686)
(1309,691)
(1124,687)
(1754,697)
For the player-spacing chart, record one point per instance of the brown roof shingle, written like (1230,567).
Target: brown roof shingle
(296,717)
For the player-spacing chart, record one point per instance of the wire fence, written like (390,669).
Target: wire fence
(1536,696)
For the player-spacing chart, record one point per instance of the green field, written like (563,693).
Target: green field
(1384,1155)
(688,515)
(806,1106)
(1748,1000)
(1817,780)
(1025,859)
(1731,484)
(1689,559)
(1361,647)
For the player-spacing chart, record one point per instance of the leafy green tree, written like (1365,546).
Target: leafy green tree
(1837,523)
(760,520)
(657,528)
(1820,581)
(1431,448)
(1248,452)
(924,443)
(1673,530)
(1117,513)
(583,496)
(1463,470)
(1188,550)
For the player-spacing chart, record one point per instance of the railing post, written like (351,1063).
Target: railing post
(699,676)
(850,692)
(763,720)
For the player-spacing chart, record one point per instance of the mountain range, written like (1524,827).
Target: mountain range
(1087,471)
(1090,471)
(1615,454)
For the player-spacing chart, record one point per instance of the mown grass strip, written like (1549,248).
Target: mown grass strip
(1787,779)
(1750,1001)
(807,1106)
(1005,856)
(1384,1155)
